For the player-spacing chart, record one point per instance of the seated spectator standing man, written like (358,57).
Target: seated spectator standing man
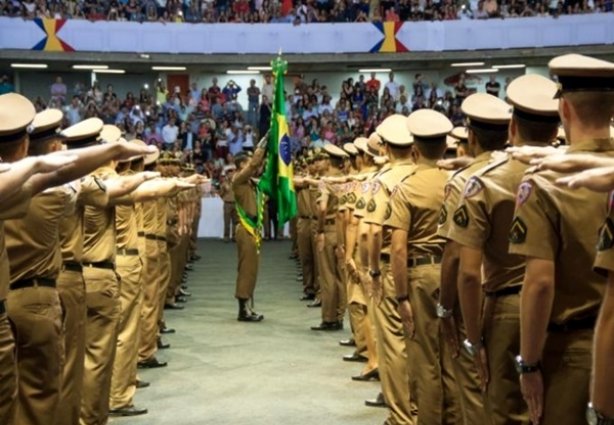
(556,228)
(393,87)
(230,90)
(169,133)
(492,86)
(59,91)
(373,84)
(247,232)
(253,98)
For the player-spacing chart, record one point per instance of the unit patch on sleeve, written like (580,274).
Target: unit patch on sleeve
(473,187)
(443,215)
(606,236)
(461,216)
(371,206)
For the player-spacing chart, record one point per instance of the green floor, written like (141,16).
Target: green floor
(276,372)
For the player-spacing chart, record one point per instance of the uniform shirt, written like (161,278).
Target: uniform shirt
(379,209)
(99,226)
(88,191)
(160,226)
(604,262)
(243,188)
(483,219)
(150,214)
(226,192)
(126,224)
(313,201)
(414,207)
(454,189)
(32,242)
(329,192)
(562,225)
(303,204)
(362,191)
(15,207)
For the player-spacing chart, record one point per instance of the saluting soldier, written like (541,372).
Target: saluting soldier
(416,252)
(303,227)
(247,232)
(556,229)
(487,209)
(392,353)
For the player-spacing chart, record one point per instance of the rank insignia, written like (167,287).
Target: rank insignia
(360,204)
(371,206)
(518,231)
(606,236)
(443,215)
(344,199)
(365,187)
(461,217)
(351,198)
(375,187)
(473,187)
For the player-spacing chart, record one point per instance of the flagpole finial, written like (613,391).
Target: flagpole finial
(279,52)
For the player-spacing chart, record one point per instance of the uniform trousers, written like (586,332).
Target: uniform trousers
(305,252)
(71,289)
(103,312)
(467,380)
(8,370)
(333,296)
(428,361)
(165,277)
(357,311)
(123,383)
(36,315)
(503,402)
(177,257)
(247,269)
(293,235)
(317,278)
(149,308)
(566,364)
(392,355)
(230,220)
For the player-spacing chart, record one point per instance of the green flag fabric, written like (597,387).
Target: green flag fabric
(277,179)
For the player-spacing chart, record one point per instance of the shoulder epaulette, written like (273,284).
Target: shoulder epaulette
(492,166)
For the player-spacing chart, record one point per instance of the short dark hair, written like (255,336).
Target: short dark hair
(594,109)
(535,131)
(432,148)
(490,140)
(9,150)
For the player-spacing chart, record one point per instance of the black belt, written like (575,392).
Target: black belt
(141,234)
(512,290)
(155,237)
(35,281)
(72,266)
(416,261)
(128,251)
(101,265)
(573,325)
(2,307)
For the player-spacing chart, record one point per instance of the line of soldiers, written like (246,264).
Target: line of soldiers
(95,236)
(473,294)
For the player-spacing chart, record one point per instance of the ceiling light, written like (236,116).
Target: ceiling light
(466,64)
(29,65)
(513,66)
(144,56)
(90,67)
(109,71)
(168,68)
(259,68)
(375,70)
(482,71)
(242,72)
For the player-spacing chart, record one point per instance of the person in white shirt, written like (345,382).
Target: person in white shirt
(267,87)
(326,106)
(392,86)
(403,103)
(169,133)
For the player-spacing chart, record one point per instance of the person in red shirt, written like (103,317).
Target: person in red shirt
(373,84)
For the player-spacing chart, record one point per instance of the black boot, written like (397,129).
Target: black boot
(246,314)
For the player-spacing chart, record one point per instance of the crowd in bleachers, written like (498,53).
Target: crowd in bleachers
(295,11)
(208,125)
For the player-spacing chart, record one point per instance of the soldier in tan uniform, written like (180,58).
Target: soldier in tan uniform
(102,285)
(333,295)
(304,239)
(392,353)
(16,113)
(556,229)
(246,232)
(493,131)
(230,213)
(485,216)
(416,251)
(319,161)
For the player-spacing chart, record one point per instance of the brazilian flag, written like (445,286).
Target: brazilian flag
(277,180)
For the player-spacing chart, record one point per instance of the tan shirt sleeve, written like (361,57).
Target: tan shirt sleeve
(378,207)
(470,224)
(400,210)
(604,260)
(533,232)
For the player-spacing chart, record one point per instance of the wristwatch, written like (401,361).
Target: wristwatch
(375,273)
(593,417)
(472,349)
(522,367)
(402,298)
(442,312)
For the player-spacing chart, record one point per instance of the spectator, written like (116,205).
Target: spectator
(267,87)
(170,133)
(5,85)
(253,101)
(265,115)
(59,91)
(392,86)
(231,89)
(214,91)
(493,87)
(74,111)
(460,89)
(373,84)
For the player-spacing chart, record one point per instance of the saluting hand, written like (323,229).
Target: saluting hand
(527,154)
(452,164)
(597,179)
(532,387)
(571,163)
(51,162)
